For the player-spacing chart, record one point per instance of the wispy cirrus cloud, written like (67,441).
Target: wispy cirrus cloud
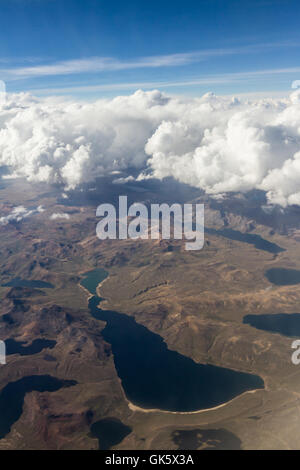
(102,64)
(216,79)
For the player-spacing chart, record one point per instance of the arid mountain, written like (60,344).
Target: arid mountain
(195,301)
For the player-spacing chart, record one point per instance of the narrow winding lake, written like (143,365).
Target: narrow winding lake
(12,397)
(155,377)
(287,324)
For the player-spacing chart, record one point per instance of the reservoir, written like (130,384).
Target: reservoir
(287,324)
(155,377)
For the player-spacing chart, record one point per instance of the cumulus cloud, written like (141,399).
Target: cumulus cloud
(60,216)
(72,143)
(223,145)
(214,143)
(19,213)
(124,180)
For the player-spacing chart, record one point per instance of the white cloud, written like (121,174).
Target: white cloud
(218,144)
(59,216)
(125,180)
(19,213)
(70,142)
(102,64)
(205,80)
(222,145)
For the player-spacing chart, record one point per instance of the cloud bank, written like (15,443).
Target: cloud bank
(217,144)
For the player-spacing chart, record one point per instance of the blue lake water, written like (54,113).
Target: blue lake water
(12,397)
(283,276)
(155,377)
(18,282)
(287,324)
(109,432)
(251,238)
(19,347)
(206,439)
(92,279)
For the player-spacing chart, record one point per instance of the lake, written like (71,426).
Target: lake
(17,282)
(155,377)
(109,432)
(206,439)
(283,276)
(92,279)
(251,238)
(12,397)
(287,324)
(17,347)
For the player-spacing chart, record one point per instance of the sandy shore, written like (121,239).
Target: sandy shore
(133,407)
(100,285)
(89,295)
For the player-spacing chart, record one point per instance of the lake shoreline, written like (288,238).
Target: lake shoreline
(137,408)
(204,371)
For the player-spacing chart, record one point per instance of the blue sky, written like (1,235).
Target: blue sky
(95,48)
